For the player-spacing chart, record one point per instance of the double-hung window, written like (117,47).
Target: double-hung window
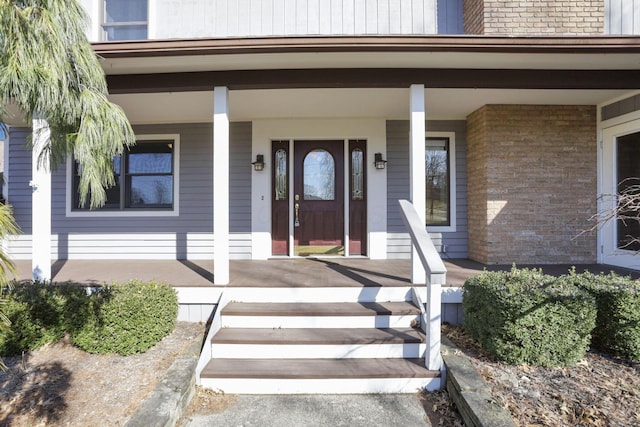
(440,181)
(145,176)
(125,20)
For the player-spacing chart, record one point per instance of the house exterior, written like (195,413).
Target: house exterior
(286,128)
(519,124)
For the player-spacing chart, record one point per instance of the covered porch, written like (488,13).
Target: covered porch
(301,272)
(326,278)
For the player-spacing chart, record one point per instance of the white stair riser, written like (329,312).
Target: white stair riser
(315,351)
(319,294)
(393,321)
(320,386)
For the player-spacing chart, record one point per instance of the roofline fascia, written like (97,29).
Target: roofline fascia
(458,43)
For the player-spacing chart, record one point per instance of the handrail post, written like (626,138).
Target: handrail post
(436,277)
(432,358)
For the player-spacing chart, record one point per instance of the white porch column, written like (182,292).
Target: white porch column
(417,186)
(40,203)
(221,185)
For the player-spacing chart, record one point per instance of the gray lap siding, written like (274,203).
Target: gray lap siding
(398,243)
(188,235)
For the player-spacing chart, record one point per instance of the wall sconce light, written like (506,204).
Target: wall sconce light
(378,162)
(258,165)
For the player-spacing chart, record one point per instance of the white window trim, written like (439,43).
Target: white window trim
(452,182)
(103,14)
(131,213)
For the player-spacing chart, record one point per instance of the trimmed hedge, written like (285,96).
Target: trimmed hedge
(123,318)
(40,313)
(618,321)
(525,317)
(128,318)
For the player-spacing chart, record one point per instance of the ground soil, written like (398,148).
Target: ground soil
(63,386)
(601,390)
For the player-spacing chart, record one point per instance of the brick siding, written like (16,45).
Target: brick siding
(531,184)
(534,17)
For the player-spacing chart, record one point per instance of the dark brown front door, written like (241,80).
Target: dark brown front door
(318,192)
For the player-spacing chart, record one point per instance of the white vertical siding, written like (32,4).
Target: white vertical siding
(259,18)
(622,16)
(242,18)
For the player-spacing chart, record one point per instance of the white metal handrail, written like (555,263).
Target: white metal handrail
(436,277)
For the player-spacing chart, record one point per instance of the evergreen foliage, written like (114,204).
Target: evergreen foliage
(49,71)
(41,313)
(618,322)
(526,317)
(123,318)
(128,318)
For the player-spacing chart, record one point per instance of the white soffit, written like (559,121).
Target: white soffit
(482,60)
(441,104)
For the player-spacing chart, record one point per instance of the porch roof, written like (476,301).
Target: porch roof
(371,61)
(272,273)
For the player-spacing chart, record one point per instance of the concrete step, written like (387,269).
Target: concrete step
(319,315)
(334,343)
(297,376)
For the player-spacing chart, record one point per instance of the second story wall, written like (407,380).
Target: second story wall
(241,18)
(171,19)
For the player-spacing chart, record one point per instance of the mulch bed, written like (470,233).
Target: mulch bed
(601,390)
(62,385)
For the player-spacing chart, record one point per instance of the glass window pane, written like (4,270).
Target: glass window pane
(151,191)
(281,174)
(113,193)
(128,32)
(125,10)
(150,158)
(357,176)
(437,176)
(319,176)
(147,181)
(628,161)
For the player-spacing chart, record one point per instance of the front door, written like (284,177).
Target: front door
(318,198)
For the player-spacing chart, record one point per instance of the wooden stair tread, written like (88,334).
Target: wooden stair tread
(320,309)
(303,336)
(317,368)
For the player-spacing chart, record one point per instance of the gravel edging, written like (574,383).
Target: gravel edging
(174,392)
(470,392)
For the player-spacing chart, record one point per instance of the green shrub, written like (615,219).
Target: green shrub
(40,313)
(524,316)
(128,318)
(618,321)
(23,334)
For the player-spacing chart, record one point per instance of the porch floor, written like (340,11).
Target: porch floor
(309,272)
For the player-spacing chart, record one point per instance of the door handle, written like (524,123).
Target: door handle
(296,211)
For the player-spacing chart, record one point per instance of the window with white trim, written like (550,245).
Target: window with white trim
(440,181)
(145,178)
(125,20)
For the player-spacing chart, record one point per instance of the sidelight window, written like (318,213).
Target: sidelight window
(440,181)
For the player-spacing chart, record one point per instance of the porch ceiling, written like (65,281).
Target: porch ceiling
(441,104)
